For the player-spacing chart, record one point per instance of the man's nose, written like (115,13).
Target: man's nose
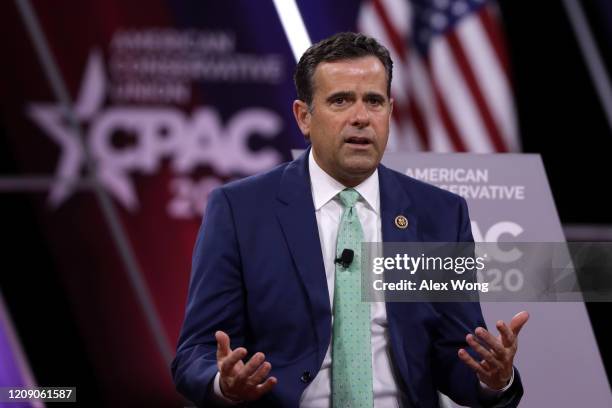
(360,115)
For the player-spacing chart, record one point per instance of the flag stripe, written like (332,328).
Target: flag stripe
(399,14)
(464,65)
(398,44)
(369,23)
(491,78)
(454,90)
(423,94)
(416,114)
(496,37)
(449,124)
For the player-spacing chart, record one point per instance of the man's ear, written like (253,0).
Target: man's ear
(302,117)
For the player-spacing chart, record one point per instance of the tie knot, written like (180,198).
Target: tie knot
(348,197)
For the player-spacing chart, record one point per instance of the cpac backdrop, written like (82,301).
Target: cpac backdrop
(173,98)
(523,212)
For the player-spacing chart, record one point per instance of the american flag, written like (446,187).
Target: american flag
(451,83)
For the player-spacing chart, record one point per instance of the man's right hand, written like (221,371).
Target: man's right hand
(239,381)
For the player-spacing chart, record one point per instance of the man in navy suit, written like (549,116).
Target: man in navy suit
(258,326)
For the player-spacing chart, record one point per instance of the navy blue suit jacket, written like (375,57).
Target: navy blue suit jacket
(258,275)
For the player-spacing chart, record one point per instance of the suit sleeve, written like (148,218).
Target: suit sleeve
(455,320)
(215,301)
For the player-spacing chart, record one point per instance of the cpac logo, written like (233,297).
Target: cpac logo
(494,235)
(159,133)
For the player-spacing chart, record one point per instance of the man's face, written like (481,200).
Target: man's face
(348,125)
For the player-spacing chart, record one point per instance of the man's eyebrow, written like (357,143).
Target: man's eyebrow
(375,95)
(340,94)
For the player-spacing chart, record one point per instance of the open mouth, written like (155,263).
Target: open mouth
(356,140)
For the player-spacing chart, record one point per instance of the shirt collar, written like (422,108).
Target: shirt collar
(325,187)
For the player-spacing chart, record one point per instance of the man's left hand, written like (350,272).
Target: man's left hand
(495,367)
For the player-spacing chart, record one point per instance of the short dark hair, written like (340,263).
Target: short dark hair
(338,47)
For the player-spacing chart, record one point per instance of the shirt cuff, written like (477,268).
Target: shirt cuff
(221,399)
(490,392)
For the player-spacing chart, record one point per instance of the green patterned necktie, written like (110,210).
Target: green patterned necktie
(351,347)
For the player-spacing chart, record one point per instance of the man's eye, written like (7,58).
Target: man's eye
(339,101)
(375,101)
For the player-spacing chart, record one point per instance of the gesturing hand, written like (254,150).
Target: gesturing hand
(239,381)
(495,368)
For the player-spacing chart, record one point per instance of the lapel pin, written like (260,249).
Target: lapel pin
(401,222)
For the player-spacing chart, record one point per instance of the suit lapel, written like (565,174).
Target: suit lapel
(298,222)
(395,202)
